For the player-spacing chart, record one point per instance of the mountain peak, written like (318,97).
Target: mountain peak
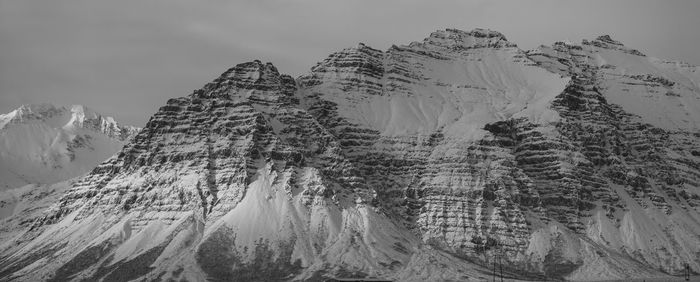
(32,112)
(251,71)
(481,32)
(476,38)
(253,81)
(607,39)
(249,75)
(48,110)
(36,110)
(67,117)
(477,32)
(607,42)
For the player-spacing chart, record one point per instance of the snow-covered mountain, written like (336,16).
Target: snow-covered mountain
(431,161)
(45,144)
(42,148)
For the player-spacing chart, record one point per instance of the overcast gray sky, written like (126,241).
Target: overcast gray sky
(126,58)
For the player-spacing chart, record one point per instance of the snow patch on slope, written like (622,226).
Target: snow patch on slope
(461,94)
(676,105)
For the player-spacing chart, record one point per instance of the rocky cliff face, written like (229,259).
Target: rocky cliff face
(431,160)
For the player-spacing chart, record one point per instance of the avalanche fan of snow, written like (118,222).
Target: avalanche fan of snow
(43,143)
(436,160)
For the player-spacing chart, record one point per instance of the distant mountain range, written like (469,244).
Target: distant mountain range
(455,158)
(44,143)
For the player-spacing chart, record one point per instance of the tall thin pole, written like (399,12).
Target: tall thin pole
(687,272)
(500,263)
(494,266)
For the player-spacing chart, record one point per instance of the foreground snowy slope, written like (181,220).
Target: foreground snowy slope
(428,161)
(44,143)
